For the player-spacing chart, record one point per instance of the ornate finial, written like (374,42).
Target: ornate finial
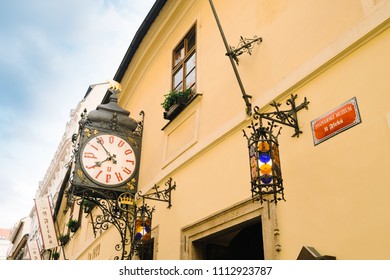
(114,122)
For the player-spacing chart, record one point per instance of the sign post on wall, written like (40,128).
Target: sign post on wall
(336,121)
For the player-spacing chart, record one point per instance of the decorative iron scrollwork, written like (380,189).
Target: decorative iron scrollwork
(161,195)
(285,117)
(128,213)
(244,46)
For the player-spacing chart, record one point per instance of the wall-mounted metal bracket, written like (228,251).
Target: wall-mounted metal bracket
(121,211)
(285,117)
(244,46)
(161,195)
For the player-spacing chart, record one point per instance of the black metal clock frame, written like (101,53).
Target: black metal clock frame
(121,205)
(106,119)
(82,180)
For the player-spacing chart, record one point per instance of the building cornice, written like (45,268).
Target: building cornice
(138,37)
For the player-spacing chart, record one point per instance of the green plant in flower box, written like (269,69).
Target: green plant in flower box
(73,225)
(176,97)
(64,238)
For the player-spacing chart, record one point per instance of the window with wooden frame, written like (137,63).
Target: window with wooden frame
(183,85)
(184,63)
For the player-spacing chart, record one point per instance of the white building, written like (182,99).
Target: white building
(18,238)
(57,172)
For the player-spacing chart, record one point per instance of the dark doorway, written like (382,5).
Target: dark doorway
(242,243)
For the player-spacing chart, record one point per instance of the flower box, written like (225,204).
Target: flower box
(175,102)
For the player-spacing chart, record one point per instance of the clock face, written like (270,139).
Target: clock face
(108,160)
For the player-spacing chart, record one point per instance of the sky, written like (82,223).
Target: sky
(50,52)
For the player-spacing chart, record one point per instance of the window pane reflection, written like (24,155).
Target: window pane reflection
(178,54)
(190,64)
(191,41)
(190,79)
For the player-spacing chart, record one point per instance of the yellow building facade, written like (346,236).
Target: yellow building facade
(336,191)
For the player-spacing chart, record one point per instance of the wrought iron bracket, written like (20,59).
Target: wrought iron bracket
(113,212)
(161,195)
(244,46)
(121,211)
(284,117)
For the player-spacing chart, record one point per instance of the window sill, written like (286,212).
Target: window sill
(175,112)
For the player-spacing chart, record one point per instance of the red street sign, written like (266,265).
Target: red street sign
(338,120)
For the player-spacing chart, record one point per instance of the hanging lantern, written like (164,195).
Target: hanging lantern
(143,229)
(142,243)
(266,176)
(266,173)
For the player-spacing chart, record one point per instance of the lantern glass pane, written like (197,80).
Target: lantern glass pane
(252,151)
(265,168)
(142,229)
(264,157)
(266,179)
(253,166)
(263,146)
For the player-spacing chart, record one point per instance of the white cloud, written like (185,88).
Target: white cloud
(51,52)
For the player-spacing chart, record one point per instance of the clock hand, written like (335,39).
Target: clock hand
(110,157)
(101,144)
(99,163)
(114,160)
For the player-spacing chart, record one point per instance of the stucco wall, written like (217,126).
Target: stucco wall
(336,191)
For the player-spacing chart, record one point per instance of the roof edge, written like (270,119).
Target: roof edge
(138,37)
(135,43)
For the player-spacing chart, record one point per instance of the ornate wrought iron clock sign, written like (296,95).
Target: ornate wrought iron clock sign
(108,154)
(105,174)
